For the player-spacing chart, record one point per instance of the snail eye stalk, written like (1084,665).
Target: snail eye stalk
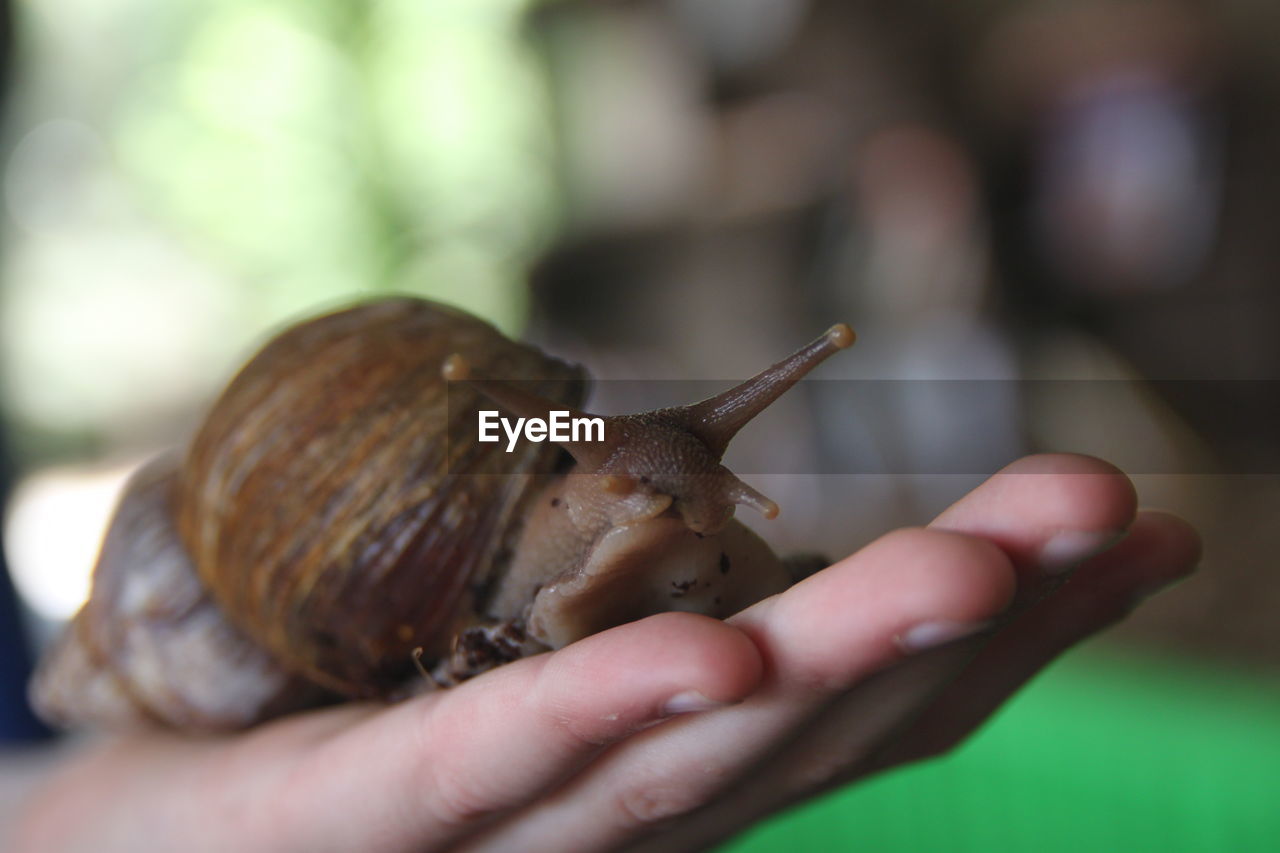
(717,419)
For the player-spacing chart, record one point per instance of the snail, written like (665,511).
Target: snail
(334,521)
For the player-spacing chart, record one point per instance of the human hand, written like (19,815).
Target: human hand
(675,731)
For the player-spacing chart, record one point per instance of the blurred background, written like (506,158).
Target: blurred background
(1054,225)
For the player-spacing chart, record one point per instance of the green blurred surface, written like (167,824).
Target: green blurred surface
(1102,753)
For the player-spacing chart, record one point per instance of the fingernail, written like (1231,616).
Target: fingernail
(1070,548)
(688,702)
(927,635)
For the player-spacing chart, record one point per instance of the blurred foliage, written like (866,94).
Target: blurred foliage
(184,177)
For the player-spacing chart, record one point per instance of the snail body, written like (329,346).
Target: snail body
(334,515)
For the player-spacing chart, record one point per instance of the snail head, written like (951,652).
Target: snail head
(668,460)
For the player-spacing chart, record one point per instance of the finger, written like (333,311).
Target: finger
(909,590)
(112,796)
(903,593)
(1049,512)
(1162,549)
(917,709)
(821,753)
(422,774)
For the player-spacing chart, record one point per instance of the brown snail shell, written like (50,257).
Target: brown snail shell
(320,511)
(333,435)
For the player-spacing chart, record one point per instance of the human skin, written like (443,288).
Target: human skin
(673,732)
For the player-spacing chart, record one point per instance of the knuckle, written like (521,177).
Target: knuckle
(580,735)
(450,794)
(557,701)
(455,802)
(649,806)
(564,718)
